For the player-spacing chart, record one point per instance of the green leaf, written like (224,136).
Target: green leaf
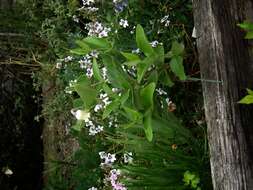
(247,99)
(159,50)
(177,49)
(143,66)
(97,43)
(115,74)
(132,114)
(78,126)
(96,71)
(77,103)
(146,95)
(142,41)
(165,79)
(110,108)
(79,51)
(153,77)
(147,121)
(246,25)
(177,67)
(249,35)
(124,97)
(130,56)
(250,91)
(87,93)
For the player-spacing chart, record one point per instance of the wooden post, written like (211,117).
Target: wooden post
(224,56)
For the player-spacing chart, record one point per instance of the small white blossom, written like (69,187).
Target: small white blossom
(8,172)
(161,91)
(81,115)
(123,23)
(93,188)
(154,43)
(75,18)
(68,59)
(128,157)
(58,65)
(137,51)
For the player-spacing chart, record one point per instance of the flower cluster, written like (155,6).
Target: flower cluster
(120,5)
(67,59)
(123,23)
(86,63)
(107,158)
(113,179)
(104,102)
(93,129)
(97,29)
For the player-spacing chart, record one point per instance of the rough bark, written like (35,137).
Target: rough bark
(224,57)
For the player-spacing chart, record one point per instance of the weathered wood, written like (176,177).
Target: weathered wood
(224,56)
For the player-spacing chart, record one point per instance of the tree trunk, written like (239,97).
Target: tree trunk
(6,4)
(224,57)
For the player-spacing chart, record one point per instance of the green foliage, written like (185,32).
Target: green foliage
(248,27)
(247,99)
(191,180)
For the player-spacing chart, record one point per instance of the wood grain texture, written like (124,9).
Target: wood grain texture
(225,56)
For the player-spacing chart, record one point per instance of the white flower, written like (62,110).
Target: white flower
(98,107)
(58,65)
(111,158)
(93,188)
(154,43)
(94,130)
(128,157)
(137,51)
(165,18)
(123,23)
(69,58)
(81,115)
(8,172)
(75,18)
(88,2)
(161,91)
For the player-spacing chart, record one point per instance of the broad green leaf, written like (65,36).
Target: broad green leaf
(250,91)
(246,25)
(132,63)
(82,45)
(177,67)
(147,121)
(115,74)
(147,94)
(132,114)
(87,93)
(96,71)
(124,97)
(79,51)
(153,77)
(249,35)
(165,79)
(131,56)
(177,49)
(78,126)
(142,41)
(110,108)
(159,50)
(247,99)
(97,43)
(143,66)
